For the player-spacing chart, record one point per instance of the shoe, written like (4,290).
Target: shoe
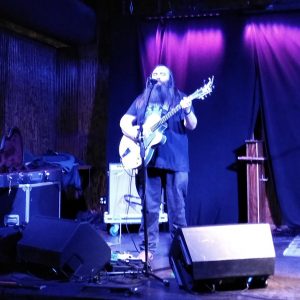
(142,256)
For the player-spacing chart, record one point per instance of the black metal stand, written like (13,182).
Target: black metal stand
(142,193)
(143,172)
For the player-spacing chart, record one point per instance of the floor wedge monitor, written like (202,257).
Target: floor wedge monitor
(71,248)
(211,255)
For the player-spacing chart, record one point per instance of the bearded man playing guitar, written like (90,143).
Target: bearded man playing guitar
(158,121)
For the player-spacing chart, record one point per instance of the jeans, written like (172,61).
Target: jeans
(173,186)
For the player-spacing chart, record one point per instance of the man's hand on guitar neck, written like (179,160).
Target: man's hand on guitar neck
(190,120)
(186,105)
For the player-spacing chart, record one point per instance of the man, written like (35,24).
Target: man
(167,171)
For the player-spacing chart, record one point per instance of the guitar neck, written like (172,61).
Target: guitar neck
(170,114)
(166,117)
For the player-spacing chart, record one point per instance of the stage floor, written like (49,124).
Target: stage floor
(284,284)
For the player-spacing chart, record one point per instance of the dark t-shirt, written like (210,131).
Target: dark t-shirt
(173,154)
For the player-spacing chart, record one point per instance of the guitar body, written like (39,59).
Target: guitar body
(153,140)
(130,151)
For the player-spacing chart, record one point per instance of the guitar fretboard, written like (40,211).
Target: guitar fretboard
(165,118)
(198,94)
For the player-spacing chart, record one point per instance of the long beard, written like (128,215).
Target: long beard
(160,94)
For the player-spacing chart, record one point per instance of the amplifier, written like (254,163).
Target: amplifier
(124,205)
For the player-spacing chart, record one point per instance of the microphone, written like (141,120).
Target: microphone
(152,80)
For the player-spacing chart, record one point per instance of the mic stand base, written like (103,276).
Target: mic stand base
(151,274)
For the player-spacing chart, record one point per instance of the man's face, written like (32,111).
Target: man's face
(161,74)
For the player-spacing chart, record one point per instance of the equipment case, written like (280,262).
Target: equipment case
(19,203)
(25,191)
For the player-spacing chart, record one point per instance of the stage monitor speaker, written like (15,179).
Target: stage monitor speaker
(9,237)
(71,248)
(222,253)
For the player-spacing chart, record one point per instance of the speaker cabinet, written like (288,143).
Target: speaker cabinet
(215,254)
(71,248)
(9,237)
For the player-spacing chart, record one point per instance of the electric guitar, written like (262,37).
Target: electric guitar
(130,151)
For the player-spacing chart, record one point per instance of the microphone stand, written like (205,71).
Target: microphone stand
(143,171)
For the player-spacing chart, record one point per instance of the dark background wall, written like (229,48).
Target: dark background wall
(254,58)
(53,81)
(69,70)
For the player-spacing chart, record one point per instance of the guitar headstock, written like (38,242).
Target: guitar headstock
(205,90)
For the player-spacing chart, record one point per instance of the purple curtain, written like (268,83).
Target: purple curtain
(196,50)
(276,41)
(242,53)
(254,62)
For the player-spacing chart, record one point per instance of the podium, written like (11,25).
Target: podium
(258,203)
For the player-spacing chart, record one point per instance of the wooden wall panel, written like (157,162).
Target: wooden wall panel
(58,99)
(3,75)
(29,92)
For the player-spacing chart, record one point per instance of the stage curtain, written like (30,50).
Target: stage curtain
(254,63)
(277,47)
(196,49)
